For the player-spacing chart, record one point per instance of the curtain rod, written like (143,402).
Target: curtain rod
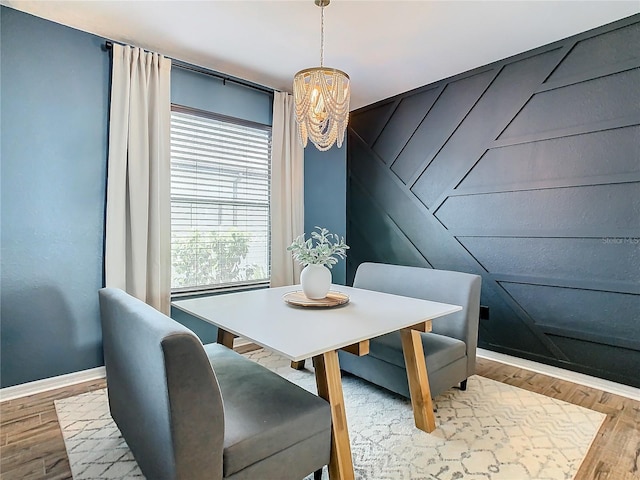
(205,71)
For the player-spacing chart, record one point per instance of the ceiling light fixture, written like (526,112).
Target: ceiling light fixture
(322,100)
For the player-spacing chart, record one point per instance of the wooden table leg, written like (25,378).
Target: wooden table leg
(418,380)
(330,388)
(297,365)
(225,338)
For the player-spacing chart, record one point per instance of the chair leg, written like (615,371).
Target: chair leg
(317,475)
(463,385)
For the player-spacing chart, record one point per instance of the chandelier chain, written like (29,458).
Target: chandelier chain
(322,36)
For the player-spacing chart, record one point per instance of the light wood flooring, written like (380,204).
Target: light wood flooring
(31,445)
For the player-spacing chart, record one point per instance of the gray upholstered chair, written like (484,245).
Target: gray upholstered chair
(450,349)
(191,412)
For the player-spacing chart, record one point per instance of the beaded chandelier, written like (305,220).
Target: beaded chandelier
(321,97)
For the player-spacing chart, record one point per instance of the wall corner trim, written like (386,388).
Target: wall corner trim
(46,384)
(556,372)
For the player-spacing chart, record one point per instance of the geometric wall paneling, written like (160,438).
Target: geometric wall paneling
(606,51)
(443,118)
(383,237)
(600,360)
(362,249)
(581,104)
(433,242)
(391,197)
(600,157)
(369,127)
(526,172)
(505,97)
(510,330)
(585,211)
(587,263)
(600,317)
(406,117)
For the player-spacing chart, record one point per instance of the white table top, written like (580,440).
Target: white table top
(298,333)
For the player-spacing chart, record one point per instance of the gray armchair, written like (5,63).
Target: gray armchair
(194,412)
(450,349)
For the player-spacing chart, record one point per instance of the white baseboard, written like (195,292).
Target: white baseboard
(556,372)
(39,386)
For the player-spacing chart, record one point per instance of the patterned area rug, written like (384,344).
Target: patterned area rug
(490,431)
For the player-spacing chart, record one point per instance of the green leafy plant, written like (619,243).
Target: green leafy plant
(321,249)
(212,258)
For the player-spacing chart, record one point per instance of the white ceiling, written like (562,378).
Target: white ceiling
(386,47)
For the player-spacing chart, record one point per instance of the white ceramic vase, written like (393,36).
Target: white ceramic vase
(316,281)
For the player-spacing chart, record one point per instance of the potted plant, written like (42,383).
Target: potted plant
(317,255)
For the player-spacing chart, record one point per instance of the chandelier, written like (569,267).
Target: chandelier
(321,97)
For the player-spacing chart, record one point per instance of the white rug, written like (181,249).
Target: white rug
(490,431)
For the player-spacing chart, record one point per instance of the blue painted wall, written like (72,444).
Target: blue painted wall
(54,89)
(325,185)
(54,104)
(205,92)
(525,172)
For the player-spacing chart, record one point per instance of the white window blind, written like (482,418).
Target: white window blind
(220,178)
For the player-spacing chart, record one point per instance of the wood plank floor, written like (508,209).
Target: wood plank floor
(31,445)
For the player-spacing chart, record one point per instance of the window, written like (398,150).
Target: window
(220,179)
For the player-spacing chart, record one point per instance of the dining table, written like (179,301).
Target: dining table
(298,332)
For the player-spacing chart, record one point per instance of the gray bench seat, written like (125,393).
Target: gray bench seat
(450,349)
(441,350)
(265,414)
(190,412)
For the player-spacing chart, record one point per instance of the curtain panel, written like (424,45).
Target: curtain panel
(287,190)
(138,218)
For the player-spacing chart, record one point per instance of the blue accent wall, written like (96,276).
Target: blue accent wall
(206,92)
(54,89)
(325,185)
(54,104)
(526,172)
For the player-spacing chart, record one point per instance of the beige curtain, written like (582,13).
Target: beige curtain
(287,191)
(138,250)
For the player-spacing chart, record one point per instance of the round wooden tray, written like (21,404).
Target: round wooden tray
(298,298)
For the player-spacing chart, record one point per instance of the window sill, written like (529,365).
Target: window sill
(197,292)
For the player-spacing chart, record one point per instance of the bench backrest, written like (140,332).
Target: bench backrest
(445,286)
(163,393)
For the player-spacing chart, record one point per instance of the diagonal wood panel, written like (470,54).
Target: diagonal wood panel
(433,241)
(527,172)
(454,103)
(493,111)
(401,125)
